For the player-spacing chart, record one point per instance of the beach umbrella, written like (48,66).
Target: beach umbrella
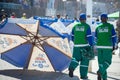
(25,43)
(63,26)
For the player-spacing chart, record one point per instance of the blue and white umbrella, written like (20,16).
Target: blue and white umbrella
(25,43)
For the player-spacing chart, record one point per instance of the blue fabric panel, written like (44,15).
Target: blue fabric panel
(11,28)
(50,31)
(45,20)
(46,32)
(17,56)
(67,22)
(57,58)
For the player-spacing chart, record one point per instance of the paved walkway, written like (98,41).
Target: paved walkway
(17,74)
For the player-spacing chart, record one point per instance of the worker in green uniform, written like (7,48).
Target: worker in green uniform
(105,42)
(83,40)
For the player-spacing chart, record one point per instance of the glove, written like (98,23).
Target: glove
(89,54)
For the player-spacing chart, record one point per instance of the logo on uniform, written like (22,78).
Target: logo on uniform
(103,30)
(80,29)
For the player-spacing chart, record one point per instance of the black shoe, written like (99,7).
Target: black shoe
(104,79)
(71,73)
(84,78)
(99,76)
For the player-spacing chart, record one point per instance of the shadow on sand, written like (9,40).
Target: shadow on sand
(36,75)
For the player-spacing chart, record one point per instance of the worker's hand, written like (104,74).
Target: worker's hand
(90,53)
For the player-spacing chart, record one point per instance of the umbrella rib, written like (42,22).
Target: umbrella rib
(26,38)
(37,28)
(11,34)
(39,42)
(58,49)
(25,29)
(49,59)
(23,37)
(40,48)
(43,39)
(14,47)
(16,35)
(31,37)
(50,45)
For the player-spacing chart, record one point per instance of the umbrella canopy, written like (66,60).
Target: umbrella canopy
(25,44)
(114,15)
(54,23)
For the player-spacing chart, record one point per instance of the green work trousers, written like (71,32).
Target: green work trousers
(104,61)
(76,58)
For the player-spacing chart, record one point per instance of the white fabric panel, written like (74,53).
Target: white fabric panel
(30,27)
(59,26)
(8,42)
(60,44)
(40,61)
